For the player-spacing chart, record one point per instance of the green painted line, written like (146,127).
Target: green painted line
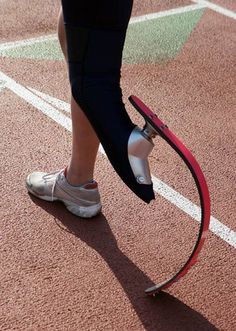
(159,40)
(153,41)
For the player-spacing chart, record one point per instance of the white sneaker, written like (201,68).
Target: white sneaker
(82,200)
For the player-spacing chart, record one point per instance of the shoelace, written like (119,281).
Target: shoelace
(50,176)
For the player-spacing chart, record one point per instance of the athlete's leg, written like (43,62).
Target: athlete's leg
(84,139)
(95,31)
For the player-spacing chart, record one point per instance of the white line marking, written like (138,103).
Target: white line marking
(2,85)
(26,42)
(31,41)
(36,101)
(218,9)
(218,228)
(62,105)
(165,13)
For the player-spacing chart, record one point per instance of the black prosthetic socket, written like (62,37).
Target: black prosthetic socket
(94,59)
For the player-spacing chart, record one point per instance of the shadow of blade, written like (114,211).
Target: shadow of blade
(163,312)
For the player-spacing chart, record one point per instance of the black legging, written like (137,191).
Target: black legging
(110,14)
(95,31)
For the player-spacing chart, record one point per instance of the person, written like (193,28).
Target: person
(92,35)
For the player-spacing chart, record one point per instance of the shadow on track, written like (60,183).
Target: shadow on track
(164,312)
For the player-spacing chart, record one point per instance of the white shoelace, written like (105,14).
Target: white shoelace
(51,176)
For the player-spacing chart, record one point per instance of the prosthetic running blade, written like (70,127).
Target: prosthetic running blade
(154,126)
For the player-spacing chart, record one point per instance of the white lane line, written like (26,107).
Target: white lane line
(36,101)
(31,41)
(62,105)
(26,42)
(218,228)
(216,8)
(174,11)
(2,85)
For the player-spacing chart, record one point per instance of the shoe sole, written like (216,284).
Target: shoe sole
(84,212)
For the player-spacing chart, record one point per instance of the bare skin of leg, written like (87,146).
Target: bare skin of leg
(84,140)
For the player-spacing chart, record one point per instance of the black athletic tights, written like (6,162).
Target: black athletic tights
(95,31)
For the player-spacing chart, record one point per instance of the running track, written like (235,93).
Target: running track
(62,273)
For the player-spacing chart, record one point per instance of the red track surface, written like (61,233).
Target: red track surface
(59,272)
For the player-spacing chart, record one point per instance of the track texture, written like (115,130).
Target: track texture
(59,272)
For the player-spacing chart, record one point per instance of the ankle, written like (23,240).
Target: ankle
(75,178)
